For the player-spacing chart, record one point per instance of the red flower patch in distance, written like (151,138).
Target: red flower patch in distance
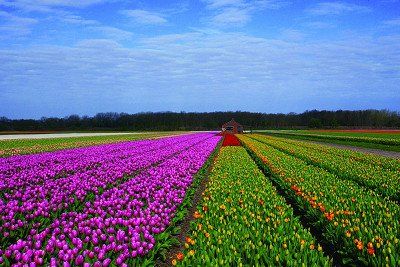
(231,140)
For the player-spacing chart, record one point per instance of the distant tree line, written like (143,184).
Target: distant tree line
(163,121)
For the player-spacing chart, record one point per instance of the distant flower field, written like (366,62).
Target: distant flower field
(199,199)
(388,140)
(28,146)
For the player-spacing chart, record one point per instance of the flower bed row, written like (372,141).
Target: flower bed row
(386,182)
(120,225)
(384,162)
(362,227)
(20,171)
(34,207)
(29,146)
(230,140)
(243,221)
(376,140)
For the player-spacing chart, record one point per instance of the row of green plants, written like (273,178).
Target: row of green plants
(242,220)
(362,227)
(371,175)
(363,139)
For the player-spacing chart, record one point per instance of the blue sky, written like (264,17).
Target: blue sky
(61,57)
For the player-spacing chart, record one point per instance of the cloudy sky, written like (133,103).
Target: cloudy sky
(61,57)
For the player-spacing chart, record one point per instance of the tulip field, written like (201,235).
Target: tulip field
(197,199)
(101,205)
(243,221)
(356,219)
(381,174)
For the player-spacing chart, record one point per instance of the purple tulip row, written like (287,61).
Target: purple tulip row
(20,171)
(120,224)
(35,202)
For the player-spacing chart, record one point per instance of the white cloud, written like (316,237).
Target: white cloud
(15,26)
(261,4)
(18,20)
(319,25)
(49,5)
(112,32)
(98,43)
(144,17)
(292,34)
(238,12)
(223,3)
(70,3)
(185,71)
(230,16)
(336,8)
(392,22)
(78,20)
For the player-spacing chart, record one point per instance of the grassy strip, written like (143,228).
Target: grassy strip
(349,142)
(385,182)
(30,146)
(243,221)
(362,227)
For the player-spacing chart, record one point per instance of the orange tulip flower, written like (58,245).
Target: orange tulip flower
(180,256)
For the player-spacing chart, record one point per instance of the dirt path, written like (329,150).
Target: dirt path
(390,154)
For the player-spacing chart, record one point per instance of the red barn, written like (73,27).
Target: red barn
(232,127)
